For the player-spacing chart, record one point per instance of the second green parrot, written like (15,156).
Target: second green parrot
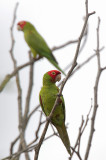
(36,42)
(47,99)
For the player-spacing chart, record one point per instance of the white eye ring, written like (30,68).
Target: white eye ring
(53,73)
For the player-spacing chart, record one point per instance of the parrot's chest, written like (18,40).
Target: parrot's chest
(48,99)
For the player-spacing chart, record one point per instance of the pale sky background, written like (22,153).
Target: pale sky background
(58,21)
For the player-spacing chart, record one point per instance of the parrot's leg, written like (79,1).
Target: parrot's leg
(48,119)
(59,95)
(37,57)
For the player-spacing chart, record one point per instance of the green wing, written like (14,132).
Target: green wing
(38,44)
(59,113)
(62,103)
(63,106)
(41,103)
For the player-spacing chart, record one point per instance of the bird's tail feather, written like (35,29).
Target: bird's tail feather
(64,137)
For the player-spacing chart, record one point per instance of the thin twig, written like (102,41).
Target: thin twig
(22,139)
(64,45)
(81,131)
(28,97)
(40,141)
(79,134)
(77,153)
(79,141)
(87,118)
(85,38)
(13,143)
(92,129)
(72,42)
(9,76)
(33,111)
(38,129)
(16,154)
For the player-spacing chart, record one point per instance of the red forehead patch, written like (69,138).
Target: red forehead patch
(21,24)
(53,73)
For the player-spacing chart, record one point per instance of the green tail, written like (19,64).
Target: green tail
(56,65)
(64,137)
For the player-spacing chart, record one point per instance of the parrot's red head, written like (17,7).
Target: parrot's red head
(55,75)
(20,25)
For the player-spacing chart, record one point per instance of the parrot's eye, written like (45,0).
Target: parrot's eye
(53,73)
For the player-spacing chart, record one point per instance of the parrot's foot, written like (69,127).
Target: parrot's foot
(59,95)
(37,57)
(69,158)
(48,118)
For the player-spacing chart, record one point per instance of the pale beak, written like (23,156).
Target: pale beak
(58,78)
(19,28)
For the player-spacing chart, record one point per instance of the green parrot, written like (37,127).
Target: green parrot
(36,42)
(47,97)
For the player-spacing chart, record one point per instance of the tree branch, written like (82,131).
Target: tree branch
(28,97)
(22,139)
(64,45)
(95,107)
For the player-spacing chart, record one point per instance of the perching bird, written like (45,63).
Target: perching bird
(36,42)
(47,99)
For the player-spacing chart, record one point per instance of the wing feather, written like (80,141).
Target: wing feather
(37,43)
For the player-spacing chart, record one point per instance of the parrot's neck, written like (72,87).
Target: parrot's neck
(29,27)
(47,81)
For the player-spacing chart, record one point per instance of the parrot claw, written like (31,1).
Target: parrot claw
(48,118)
(37,57)
(59,95)
(70,158)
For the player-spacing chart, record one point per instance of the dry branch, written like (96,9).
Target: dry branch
(19,90)
(95,107)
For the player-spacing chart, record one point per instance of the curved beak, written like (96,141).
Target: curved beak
(58,78)
(19,28)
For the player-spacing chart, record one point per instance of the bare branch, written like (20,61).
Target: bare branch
(77,153)
(78,137)
(81,130)
(13,143)
(95,97)
(9,76)
(72,42)
(87,118)
(22,139)
(103,68)
(64,45)
(37,131)
(28,97)
(33,111)
(40,141)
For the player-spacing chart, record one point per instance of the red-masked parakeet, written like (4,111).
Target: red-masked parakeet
(47,99)
(36,42)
